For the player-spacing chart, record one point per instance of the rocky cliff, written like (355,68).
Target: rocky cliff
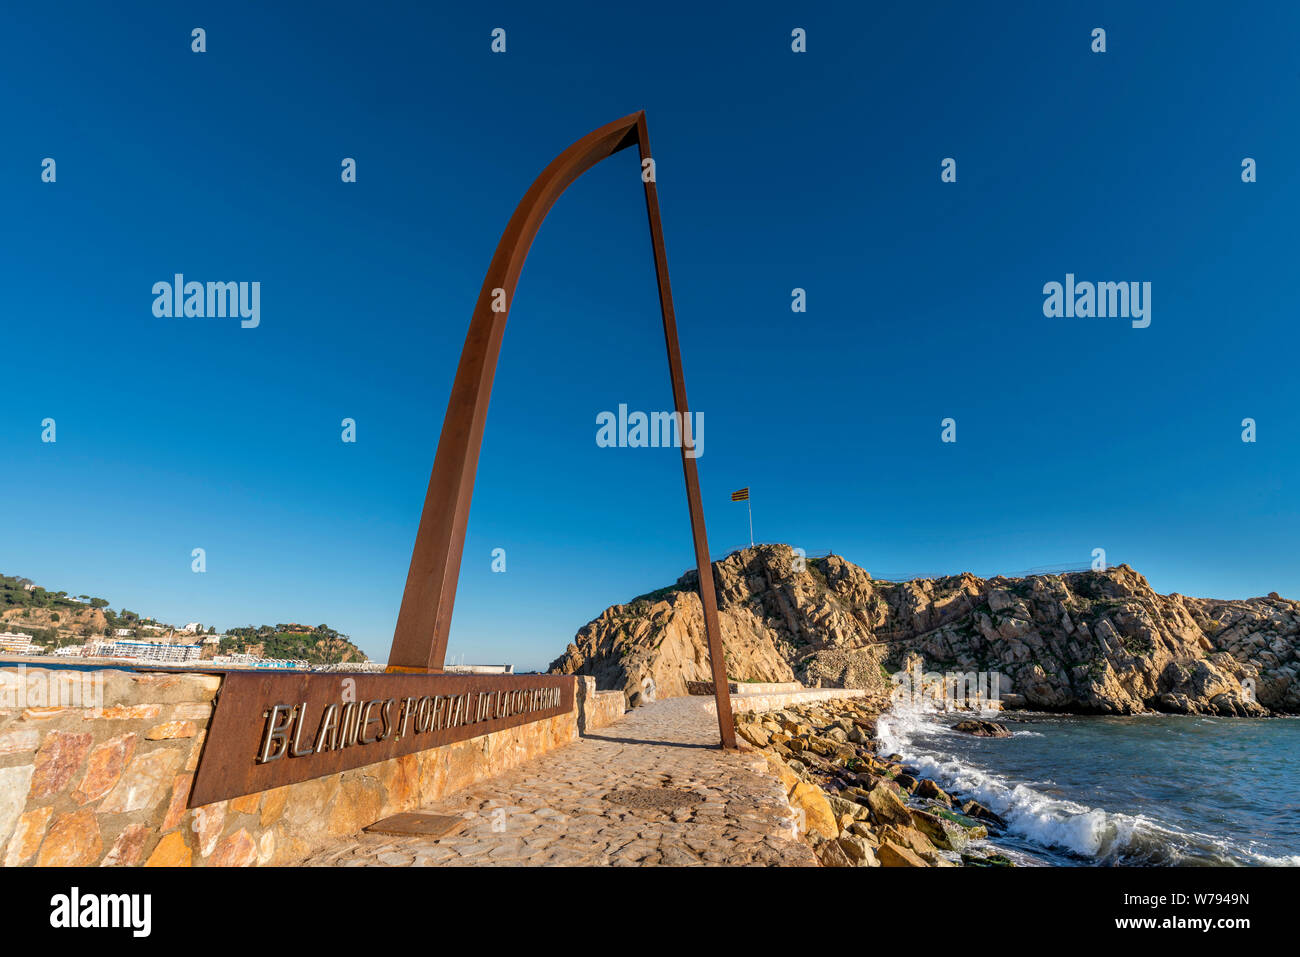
(1089,642)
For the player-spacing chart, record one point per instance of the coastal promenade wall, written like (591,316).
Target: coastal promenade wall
(744,703)
(772,696)
(106,778)
(597,709)
(762,702)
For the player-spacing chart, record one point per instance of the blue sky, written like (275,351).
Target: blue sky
(776,170)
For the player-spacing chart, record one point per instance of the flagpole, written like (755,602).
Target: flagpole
(749,505)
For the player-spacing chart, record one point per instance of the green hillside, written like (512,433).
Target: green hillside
(14,594)
(321,645)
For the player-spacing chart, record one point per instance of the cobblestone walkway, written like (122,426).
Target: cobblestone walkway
(554,810)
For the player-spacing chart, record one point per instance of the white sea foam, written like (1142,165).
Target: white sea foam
(1048,821)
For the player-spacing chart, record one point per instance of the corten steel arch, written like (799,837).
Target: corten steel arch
(420,639)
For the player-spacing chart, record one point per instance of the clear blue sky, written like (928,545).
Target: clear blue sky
(775,170)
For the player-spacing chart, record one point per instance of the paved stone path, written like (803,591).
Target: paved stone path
(554,811)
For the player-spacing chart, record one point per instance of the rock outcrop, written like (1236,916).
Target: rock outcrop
(1087,642)
(982,729)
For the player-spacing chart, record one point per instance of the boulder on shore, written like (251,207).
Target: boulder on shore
(942,833)
(983,729)
(891,855)
(886,806)
(928,789)
(976,810)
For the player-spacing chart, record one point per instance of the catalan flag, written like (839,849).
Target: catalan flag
(742,495)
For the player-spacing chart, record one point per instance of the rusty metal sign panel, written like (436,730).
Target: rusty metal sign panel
(269,730)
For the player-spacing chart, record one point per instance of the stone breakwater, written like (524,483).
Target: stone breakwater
(858,809)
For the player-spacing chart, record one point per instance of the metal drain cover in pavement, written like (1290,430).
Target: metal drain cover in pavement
(420,825)
(658,799)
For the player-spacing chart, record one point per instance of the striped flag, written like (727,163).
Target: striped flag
(742,495)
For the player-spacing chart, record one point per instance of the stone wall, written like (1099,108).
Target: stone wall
(743,703)
(597,709)
(83,785)
(745,687)
(606,708)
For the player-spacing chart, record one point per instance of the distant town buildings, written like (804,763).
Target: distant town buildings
(356,667)
(161,652)
(146,642)
(240,659)
(18,643)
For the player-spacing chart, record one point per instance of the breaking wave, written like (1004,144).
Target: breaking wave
(1041,821)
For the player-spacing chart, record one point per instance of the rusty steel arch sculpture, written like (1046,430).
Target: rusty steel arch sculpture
(424,622)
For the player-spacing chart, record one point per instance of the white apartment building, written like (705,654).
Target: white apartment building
(147,651)
(18,643)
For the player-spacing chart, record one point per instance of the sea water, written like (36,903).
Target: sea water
(1147,790)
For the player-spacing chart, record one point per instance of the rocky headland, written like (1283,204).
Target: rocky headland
(1083,642)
